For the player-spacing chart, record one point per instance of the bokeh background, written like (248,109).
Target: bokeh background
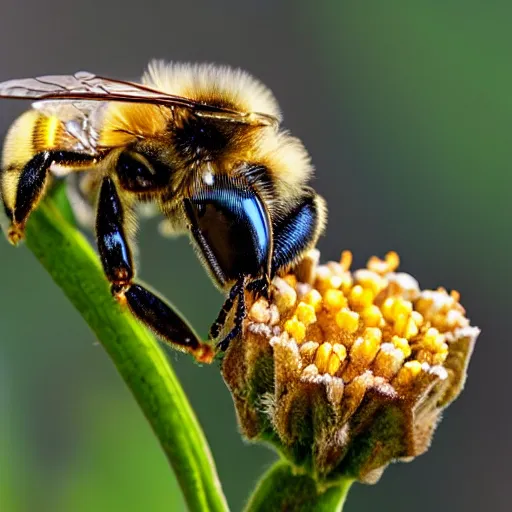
(406,108)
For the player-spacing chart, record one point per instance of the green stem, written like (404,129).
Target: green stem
(74,266)
(282,489)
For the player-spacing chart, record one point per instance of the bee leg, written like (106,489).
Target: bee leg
(213,266)
(298,231)
(31,183)
(293,235)
(116,257)
(260,287)
(240,313)
(220,321)
(215,271)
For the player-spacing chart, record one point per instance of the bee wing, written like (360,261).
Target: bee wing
(81,120)
(84,87)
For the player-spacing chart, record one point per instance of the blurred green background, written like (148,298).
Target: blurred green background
(406,108)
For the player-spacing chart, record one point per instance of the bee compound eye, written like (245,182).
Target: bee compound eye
(139,173)
(200,209)
(235,227)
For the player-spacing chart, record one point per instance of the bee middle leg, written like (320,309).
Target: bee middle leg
(116,257)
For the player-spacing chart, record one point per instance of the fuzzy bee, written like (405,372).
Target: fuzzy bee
(202,143)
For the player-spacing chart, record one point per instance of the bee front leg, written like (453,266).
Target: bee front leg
(116,257)
(29,185)
(237,291)
(240,313)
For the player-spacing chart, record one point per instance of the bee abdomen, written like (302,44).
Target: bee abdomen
(30,134)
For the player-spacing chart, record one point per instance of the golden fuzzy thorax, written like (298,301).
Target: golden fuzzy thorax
(213,85)
(284,156)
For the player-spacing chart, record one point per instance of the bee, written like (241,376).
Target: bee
(204,144)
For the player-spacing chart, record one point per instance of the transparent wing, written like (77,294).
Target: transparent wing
(81,119)
(84,87)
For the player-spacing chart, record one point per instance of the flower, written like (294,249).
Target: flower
(344,372)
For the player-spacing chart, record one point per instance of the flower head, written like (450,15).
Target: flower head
(345,372)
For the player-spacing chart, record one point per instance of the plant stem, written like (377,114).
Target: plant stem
(74,266)
(282,489)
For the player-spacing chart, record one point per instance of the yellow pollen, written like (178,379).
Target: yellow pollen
(295,329)
(387,309)
(347,320)
(375,320)
(371,315)
(411,329)
(370,281)
(455,295)
(360,297)
(432,348)
(401,307)
(400,324)
(334,364)
(346,260)
(356,294)
(432,341)
(401,344)
(291,280)
(405,326)
(335,281)
(365,348)
(306,313)
(372,335)
(347,283)
(414,367)
(389,264)
(285,297)
(313,298)
(340,350)
(334,299)
(441,356)
(322,357)
(323,278)
(409,371)
(418,318)
(366,352)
